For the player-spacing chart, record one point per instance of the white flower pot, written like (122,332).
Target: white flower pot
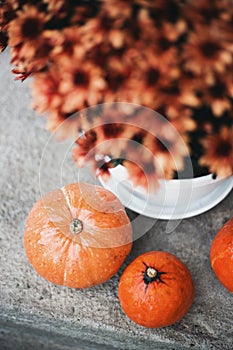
(174,199)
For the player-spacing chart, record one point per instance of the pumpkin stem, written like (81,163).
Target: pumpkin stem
(76,226)
(151,272)
(151,275)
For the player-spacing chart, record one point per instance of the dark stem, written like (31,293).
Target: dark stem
(151,275)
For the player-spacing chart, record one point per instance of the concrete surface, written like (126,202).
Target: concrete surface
(36,314)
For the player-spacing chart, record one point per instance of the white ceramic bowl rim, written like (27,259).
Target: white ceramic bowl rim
(196,181)
(195,195)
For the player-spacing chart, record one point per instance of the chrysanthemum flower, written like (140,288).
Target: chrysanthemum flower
(168,154)
(101,168)
(219,94)
(45,91)
(133,145)
(81,83)
(178,101)
(65,41)
(84,151)
(169,18)
(143,175)
(29,49)
(218,156)
(7,13)
(117,10)
(110,139)
(162,53)
(207,11)
(205,52)
(27,27)
(58,8)
(31,59)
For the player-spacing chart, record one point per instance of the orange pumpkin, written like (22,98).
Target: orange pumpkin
(221,255)
(77,236)
(156,289)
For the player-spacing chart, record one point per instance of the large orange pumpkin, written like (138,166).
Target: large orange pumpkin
(156,289)
(221,255)
(78,236)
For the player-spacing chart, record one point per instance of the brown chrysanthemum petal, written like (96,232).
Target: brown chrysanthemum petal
(84,151)
(58,8)
(31,57)
(101,168)
(168,154)
(55,120)
(45,91)
(27,26)
(206,53)
(218,156)
(66,41)
(7,13)
(118,10)
(204,12)
(179,99)
(219,95)
(81,83)
(142,175)
(20,75)
(29,49)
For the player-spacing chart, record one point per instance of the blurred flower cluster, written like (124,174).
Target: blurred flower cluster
(171,56)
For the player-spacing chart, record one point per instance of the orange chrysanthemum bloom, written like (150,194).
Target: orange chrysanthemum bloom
(29,49)
(27,27)
(219,94)
(81,82)
(218,156)
(205,52)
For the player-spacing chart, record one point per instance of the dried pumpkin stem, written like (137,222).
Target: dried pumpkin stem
(151,272)
(76,226)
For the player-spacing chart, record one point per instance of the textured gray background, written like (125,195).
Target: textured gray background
(37,314)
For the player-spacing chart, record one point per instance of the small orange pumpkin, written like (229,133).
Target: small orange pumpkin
(156,289)
(77,236)
(221,255)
